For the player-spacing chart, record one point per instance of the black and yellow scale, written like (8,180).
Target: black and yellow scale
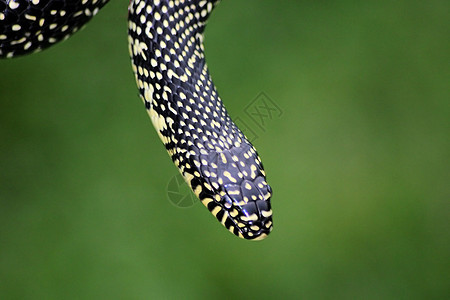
(165,38)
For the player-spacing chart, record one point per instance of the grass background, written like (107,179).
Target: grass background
(358,161)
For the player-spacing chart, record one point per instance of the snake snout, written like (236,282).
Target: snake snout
(257,216)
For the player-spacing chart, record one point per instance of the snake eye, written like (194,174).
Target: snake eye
(257,217)
(250,209)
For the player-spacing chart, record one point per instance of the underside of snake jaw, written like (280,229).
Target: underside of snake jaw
(215,158)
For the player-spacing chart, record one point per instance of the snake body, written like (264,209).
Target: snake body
(28,26)
(165,38)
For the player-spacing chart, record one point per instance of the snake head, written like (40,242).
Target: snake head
(232,185)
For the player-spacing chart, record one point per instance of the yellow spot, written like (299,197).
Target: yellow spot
(216,210)
(252,217)
(206,201)
(266,213)
(261,237)
(228,175)
(198,190)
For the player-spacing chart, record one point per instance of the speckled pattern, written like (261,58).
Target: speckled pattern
(166,46)
(31,25)
(217,161)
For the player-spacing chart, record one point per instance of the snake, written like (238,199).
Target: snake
(165,41)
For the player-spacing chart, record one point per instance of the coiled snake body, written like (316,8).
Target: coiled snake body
(165,38)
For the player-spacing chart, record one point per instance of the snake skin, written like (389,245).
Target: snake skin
(32,25)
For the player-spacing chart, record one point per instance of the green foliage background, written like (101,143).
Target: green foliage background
(358,161)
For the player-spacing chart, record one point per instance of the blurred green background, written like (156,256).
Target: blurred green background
(358,161)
